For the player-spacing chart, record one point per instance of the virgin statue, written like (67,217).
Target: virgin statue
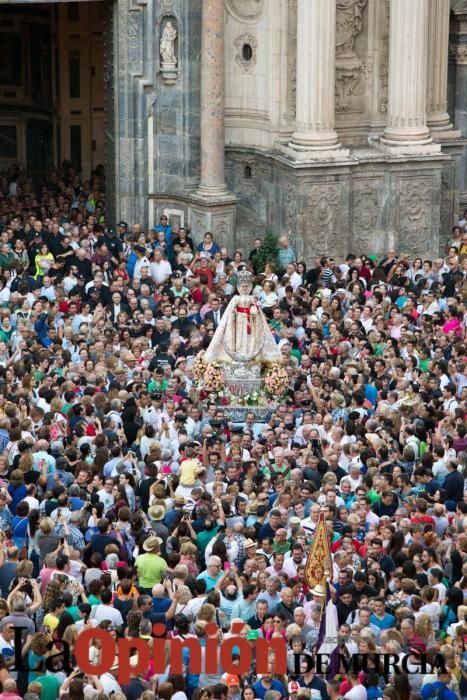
(243,334)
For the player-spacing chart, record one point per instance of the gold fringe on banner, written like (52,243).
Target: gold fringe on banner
(319,563)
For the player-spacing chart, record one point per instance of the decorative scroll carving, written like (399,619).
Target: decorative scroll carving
(292,60)
(291,217)
(384,62)
(221,232)
(448,204)
(291,206)
(321,219)
(246,65)
(351,72)
(349,18)
(245,10)
(365,215)
(414,215)
(461,55)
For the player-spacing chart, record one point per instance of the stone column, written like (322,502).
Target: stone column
(407,130)
(438,119)
(212,182)
(316,46)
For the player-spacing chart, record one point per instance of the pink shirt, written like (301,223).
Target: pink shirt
(453,325)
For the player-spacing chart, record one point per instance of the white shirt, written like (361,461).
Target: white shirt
(109,683)
(107,612)
(160,271)
(358,692)
(153,416)
(434,611)
(142,262)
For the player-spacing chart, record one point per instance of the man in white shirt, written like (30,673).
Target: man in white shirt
(309,524)
(106,611)
(160,269)
(357,691)
(297,559)
(294,279)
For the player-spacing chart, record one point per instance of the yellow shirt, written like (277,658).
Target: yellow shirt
(188,471)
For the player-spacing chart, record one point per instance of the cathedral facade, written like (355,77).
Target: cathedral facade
(341,123)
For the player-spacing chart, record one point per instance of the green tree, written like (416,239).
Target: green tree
(267,252)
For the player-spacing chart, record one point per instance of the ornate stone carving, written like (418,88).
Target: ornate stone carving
(349,18)
(291,206)
(246,65)
(365,215)
(245,10)
(414,215)
(168,50)
(461,55)
(351,72)
(448,202)
(351,83)
(384,62)
(221,232)
(292,60)
(321,219)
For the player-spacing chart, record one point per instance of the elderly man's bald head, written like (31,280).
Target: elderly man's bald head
(42,446)
(158,590)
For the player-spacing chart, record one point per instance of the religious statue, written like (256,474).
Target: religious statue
(167,48)
(349,17)
(243,334)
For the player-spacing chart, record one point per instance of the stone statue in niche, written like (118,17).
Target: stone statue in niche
(167,52)
(350,70)
(167,49)
(349,15)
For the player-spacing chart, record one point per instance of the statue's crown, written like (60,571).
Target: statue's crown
(244,276)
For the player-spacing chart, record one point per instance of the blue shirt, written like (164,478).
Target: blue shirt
(386,623)
(429,691)
(260,690)
(210,580)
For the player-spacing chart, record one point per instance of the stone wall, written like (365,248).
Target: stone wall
(362,205)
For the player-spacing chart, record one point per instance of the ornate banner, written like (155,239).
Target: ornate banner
(319,560)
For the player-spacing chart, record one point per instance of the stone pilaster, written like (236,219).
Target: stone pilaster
(212,183)
(406,130)
(315,135)
(438,119)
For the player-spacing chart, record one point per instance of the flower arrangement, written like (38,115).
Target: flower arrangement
(409,403)
(214,378)
(199,366)
(255,398)
(276,380)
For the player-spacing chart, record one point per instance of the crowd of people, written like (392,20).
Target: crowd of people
(127,500)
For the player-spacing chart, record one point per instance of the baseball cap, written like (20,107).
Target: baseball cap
(232,681)
(253,635)
(123,224)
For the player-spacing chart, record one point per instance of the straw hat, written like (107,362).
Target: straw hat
(156,512)
(152,543)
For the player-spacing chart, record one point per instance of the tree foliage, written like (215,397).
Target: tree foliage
(267,253)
